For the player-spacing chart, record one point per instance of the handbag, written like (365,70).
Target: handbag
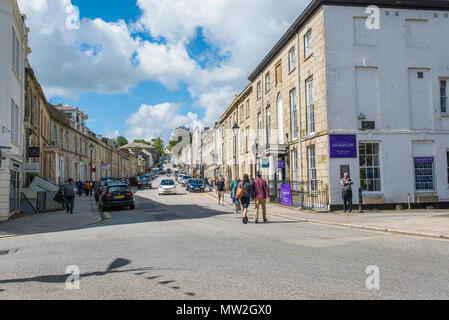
(240,193)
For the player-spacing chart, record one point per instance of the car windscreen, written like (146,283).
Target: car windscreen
(167,183)
(187,177)
(116,189)
(196,181)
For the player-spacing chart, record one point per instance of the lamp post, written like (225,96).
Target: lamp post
(235,129)
(91,147)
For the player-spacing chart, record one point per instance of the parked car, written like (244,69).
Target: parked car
(134,182)
(125,181)
(117,195)
(185,179)
(144,182)
(167,186)
(180,176)
(195,185)
(99,190)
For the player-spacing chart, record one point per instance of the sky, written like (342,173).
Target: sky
(141,68)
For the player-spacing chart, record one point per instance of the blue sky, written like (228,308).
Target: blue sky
(107,111)
(141,68)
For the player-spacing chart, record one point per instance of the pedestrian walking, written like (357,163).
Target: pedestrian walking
(87,187)
(346,184)
(243,194)
(221,190)
(251,180)
(69,192)
(234,185)
(261,194)
(80,187)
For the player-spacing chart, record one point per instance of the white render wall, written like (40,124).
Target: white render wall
(375,72)
(11,87)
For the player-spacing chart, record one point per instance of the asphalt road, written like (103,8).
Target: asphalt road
(187,247)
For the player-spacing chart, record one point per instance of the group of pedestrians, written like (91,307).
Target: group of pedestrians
(245,191)
(71,189)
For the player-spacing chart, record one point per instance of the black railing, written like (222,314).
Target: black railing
(311,195)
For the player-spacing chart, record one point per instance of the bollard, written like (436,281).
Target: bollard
(360,201)
(409,202)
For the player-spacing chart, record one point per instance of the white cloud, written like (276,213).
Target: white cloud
(160,120)
(71,56)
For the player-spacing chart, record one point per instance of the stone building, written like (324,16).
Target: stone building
(351,87)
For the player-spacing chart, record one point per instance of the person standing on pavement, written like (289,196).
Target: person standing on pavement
(221,190)
(261,194)
(234,185)
(251,179)
(245,200)
(87,188)
(346,184)
(69,193)
(80,187)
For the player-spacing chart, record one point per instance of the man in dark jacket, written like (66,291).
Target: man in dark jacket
(346,184)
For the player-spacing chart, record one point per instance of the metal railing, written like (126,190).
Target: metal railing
(310,195)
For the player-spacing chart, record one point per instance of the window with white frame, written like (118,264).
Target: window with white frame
(267,82)
(259,90)
(369,160)
(242,141)
(14,123)
(294,115)
(310,107)
(312,169)
(15,53)
(268,124)
(447,162)
(443,96)
(424,173)
(247,109)
(308,44)
(292,59)
(247,139)
(61,140)
(295,165)
(259,128)
(242,116)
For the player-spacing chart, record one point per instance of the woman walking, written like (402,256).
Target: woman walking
(245,186)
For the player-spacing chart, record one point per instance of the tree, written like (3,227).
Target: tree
(121,141)
(142,141)
(159,144)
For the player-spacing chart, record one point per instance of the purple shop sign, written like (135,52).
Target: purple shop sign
(423,159)
(343,146)
(281,164)
(286,194)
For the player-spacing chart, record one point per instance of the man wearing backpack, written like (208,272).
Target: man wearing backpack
(221,190)
(261,194)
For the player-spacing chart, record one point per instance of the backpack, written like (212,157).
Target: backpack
(240,193)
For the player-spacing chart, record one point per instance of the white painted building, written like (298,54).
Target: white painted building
(13,53)
(392,79)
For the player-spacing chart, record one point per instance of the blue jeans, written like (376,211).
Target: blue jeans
(70,203)
(233,196)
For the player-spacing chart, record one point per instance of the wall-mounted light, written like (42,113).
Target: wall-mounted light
(362,116)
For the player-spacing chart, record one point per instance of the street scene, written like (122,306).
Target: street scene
(158,150)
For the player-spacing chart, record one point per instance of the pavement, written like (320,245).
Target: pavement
(430,223)
(86,213)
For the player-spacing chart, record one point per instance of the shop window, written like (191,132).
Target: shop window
(370,179)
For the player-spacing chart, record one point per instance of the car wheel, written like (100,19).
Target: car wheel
(132,207)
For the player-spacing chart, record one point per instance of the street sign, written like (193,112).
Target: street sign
(265,162)
(31,167)
(34,152)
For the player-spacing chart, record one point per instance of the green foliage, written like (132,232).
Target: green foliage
(121,141)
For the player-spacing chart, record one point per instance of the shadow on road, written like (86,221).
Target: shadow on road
(113,268)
